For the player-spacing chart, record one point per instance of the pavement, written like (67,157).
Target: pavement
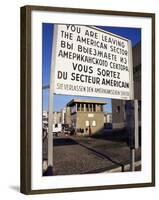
(84,155)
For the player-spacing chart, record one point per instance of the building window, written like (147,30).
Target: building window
(87,108)
(98,108)
(90,107)
(87,123)
(94,107)
(94,123)
(118,109)
(82,107)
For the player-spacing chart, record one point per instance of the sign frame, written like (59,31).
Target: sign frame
(27,105)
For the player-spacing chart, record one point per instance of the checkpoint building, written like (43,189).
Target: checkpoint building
(86,116)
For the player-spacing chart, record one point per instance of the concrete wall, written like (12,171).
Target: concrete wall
(118,114)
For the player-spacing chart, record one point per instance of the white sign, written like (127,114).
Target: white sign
(88,61)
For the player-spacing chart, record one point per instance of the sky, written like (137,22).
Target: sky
(60,101)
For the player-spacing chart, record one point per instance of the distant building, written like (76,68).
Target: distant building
(108,118)
(57,117)
(86,116)
(45,118)
(118,106)
(107,121)
(44,123)
(68,116)
(63,116)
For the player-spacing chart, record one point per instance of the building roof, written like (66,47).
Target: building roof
(73,101)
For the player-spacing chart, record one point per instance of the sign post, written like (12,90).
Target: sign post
(50,134)
(132,159)
(133,129)
(50,115)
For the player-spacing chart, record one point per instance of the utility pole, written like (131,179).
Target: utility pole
(51,103)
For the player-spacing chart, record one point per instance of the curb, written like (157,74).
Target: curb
(126,168)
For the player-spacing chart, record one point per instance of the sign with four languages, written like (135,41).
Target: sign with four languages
(88,61)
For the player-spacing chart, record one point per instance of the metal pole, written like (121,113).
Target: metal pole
(136,106)
(132,156)
(135,137)
(132,149)
(50,136)
(50,116)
